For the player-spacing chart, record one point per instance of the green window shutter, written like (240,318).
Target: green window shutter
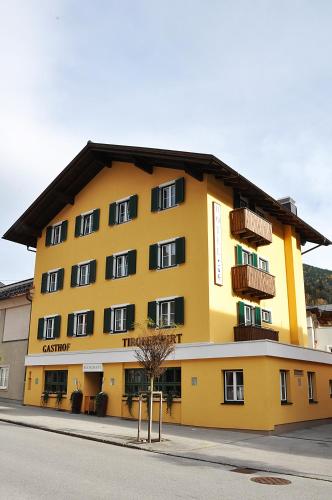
(254,259)
(64,230)
(179,311)
(155,199)
(112,214)
(89,326)
(258,319)
(40,333)
(180,250)
(73,280)
(70,325)
(132,261)
(48,239)
(236,199)
(78,221)
(61,274)
(57,324)
(152,313)
(179,190)
(240,310)
(93,267)
(133,202)
(44,283)
(109,267)
(95,219)
(107,319)
(131,317)
(153,257)
(239,255)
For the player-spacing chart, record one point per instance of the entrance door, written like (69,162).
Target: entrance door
(93,383)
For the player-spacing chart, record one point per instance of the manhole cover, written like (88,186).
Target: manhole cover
(244,470)
(270,480)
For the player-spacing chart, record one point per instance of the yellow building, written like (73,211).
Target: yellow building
(126,233)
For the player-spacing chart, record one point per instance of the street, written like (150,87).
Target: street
(38,465)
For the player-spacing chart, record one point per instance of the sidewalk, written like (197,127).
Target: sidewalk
(306,452)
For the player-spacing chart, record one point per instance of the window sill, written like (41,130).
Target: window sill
(285,403)
(312,402)
(156,400)
(233,403)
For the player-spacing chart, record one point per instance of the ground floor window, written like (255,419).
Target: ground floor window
(56,381)
(311,386)
(283,386)
(4,373)
(169,382)
(233,383)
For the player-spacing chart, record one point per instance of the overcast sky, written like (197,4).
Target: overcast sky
(249,82)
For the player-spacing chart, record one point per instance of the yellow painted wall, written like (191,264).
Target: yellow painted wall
(223,301)
(203,404)
(188,280)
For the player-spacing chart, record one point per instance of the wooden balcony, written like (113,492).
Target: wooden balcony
(250,281)
(251,332)
(251,227)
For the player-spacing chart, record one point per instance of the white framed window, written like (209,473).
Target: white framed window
(81,322)
(122,211)
(311,378)
(52,281)
(166,313)
(56,234)
(4,376)
(120,263)
(167,194)
(266,316)
(86,223)
(283,386)
(233,385)
(249,315)
(49,328)
(83,274)
(263,264)
(167,255)
(246,257)
(119,319)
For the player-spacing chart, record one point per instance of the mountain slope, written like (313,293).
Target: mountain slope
(318,285)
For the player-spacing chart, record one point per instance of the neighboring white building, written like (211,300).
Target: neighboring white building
(319,323)
(15,306)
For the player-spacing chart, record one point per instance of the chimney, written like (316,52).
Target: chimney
(288,203)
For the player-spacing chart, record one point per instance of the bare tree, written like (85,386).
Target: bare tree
(151,352)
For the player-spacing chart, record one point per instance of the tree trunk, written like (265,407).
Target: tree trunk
(150,410)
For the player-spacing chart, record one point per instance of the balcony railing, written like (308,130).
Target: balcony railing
(250,332)
(251,227)
(250,281)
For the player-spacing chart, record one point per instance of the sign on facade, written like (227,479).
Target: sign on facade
(217,243)
(93,367)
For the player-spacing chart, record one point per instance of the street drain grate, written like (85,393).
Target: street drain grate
(270,480)
(244,470)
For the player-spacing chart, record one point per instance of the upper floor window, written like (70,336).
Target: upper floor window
(263,264)
(266,316)
(57,233)
(84,273)
(166,313)
(4,375)
(121,265)
(49,327)
(52,281)
(87,223)
(167,195)
(249,315)
(233,386)
(123,210)
(167,254)
(245,257)
(80,324)
(119,318)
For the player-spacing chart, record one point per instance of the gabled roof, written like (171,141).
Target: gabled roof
(94,157)
(15,289)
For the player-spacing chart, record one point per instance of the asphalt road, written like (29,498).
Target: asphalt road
(36,464)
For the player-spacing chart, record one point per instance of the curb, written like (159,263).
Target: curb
(158,452)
